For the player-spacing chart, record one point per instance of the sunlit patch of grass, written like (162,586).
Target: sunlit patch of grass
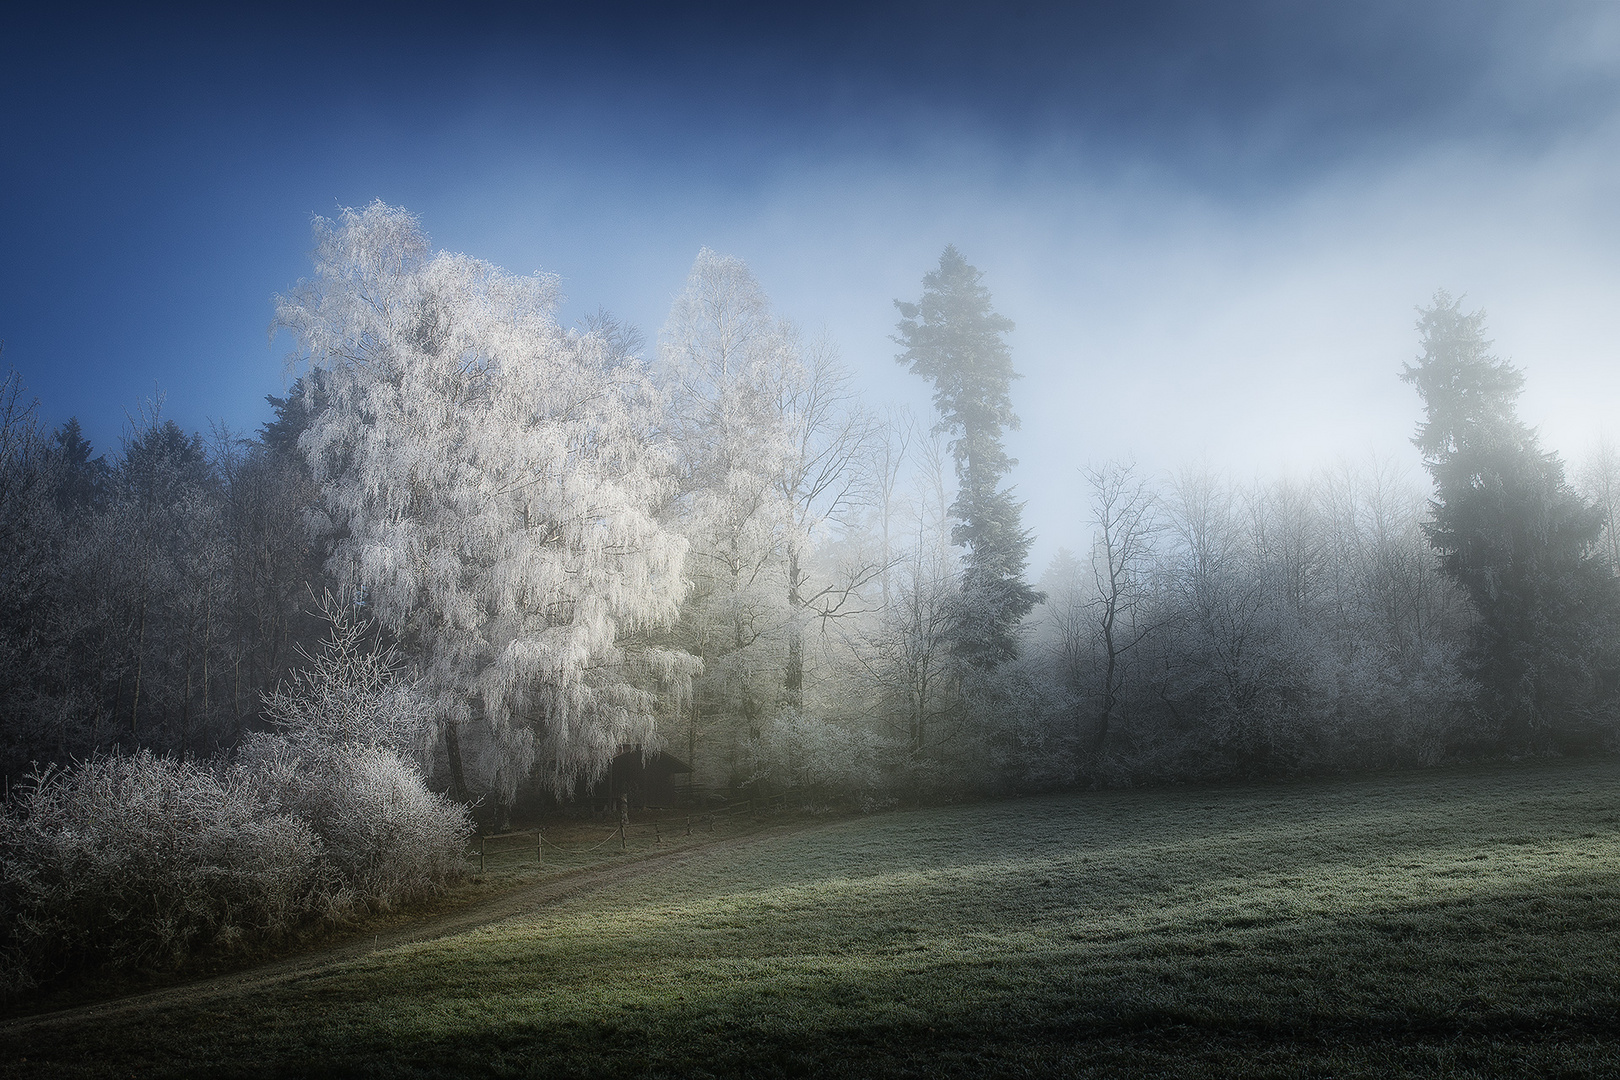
(1463,923)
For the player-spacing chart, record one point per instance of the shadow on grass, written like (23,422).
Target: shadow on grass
(1467,926)
(1436,988)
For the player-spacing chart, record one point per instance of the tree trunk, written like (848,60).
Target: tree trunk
(1110,608)
(452,753)
(794,681)
(1107,713)
(140,658)
(691,750)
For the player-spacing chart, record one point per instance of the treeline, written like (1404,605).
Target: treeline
(584,546)
(204,751)
(1209,631)
(1284,627)
(148,598)
(136,859)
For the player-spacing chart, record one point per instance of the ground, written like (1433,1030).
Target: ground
(1453,923)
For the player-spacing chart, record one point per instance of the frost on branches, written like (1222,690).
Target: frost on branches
(495,482)
(770,460)
(724,358)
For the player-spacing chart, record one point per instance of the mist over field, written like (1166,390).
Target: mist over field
(425,430)
(1191,215)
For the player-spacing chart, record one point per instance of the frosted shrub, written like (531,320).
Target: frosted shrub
(799,751)
(140,860)
(351,693)
(349,728)
(386,836)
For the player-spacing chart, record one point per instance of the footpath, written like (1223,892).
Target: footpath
(516,901)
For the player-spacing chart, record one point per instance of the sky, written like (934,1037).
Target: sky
(1211,223)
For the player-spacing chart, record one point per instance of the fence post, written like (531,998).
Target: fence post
(480,854)
(658,834)
(688,824)
(624,821)
(540,845)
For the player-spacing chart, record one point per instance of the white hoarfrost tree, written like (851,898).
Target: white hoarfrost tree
(724,355)
(907,656)
(772,450)
(1599,480)
(494,483)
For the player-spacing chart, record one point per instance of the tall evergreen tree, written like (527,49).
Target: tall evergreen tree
(81,480)
(294,413)
(1509,529)
(953,337)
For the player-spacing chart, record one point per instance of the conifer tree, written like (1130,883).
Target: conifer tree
(954,338)
(1509,529)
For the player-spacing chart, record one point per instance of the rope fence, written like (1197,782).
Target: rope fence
(620,832)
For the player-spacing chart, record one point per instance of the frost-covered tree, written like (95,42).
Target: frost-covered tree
(1599,479)
(1065,630)
(165,524)
(906,658)
(349,692)
(724,356)
(276,556)
(823,480)
(771,449)
(495,484)
(31,584)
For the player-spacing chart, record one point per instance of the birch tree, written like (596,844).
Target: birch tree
(723,357)
(495,484)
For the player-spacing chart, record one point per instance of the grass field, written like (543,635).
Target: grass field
(1446,924)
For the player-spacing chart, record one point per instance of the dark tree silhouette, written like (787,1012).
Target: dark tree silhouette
(1509,529)
(954,338)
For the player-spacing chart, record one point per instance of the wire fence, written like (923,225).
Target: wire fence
(536,841)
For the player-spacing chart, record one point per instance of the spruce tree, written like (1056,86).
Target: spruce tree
(1509,529)
(954,338)
(81,480)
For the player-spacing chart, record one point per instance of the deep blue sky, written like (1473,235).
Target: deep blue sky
(1211,221)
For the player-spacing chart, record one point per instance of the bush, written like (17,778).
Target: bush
(142,860)
(339,760)
(350,692)
(386,837)
(794,750)
(139,860)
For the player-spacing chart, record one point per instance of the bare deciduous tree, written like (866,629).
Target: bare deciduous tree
(1125,515)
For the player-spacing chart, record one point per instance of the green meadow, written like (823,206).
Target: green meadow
(1455,923)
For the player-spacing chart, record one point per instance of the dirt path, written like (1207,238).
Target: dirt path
(495,909)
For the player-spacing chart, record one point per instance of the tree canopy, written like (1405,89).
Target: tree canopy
(497,480)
